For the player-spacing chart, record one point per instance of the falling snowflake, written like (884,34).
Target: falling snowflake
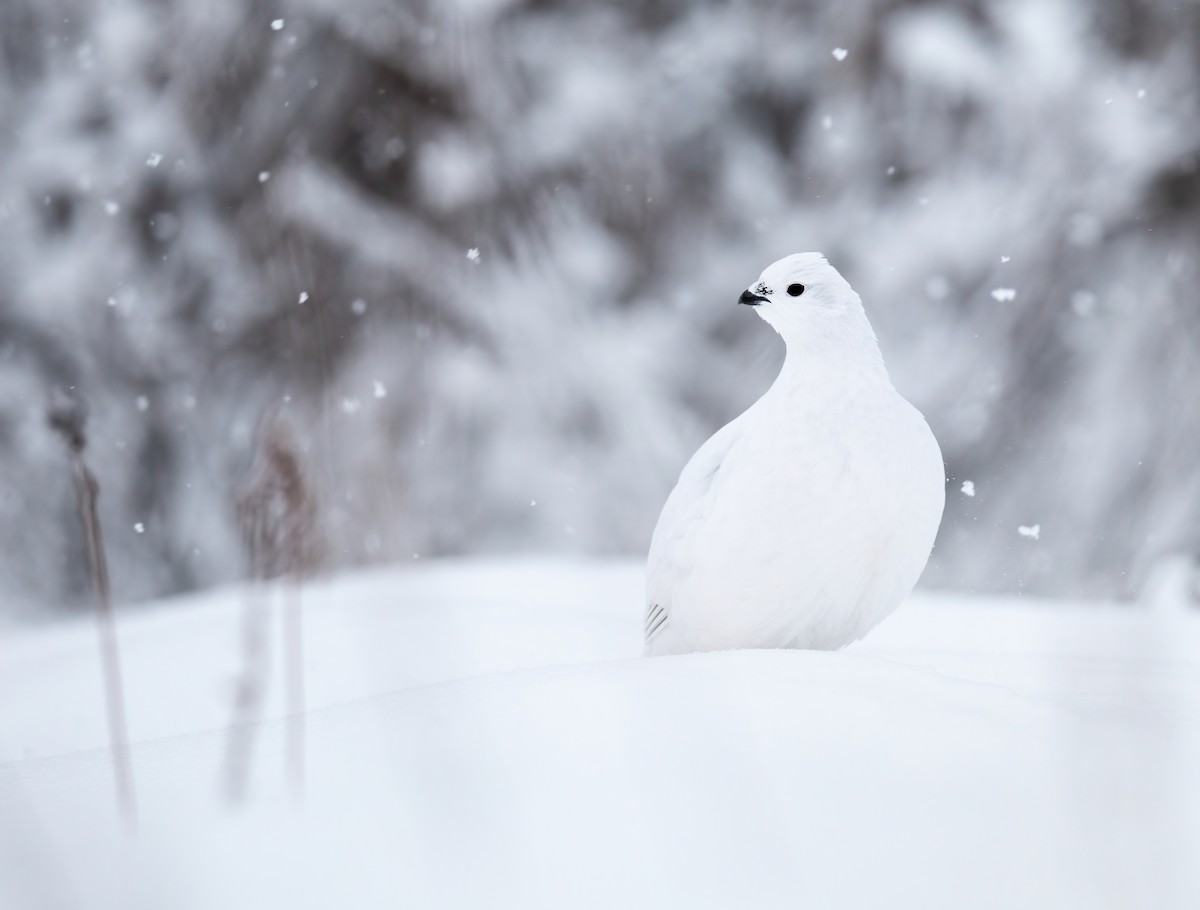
(1004,259)
(140,528)
(351,405)
(839,53)
(826,122)
(1033,532)
(303,297)
(264,176)
(473,254)
(968,488)
(1083,303)
(112,207)
(142,402)
(154,160)
(276,24)
(358,307)
(380,391)
(1004,294)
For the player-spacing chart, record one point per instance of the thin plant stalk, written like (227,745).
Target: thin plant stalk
(293,659)
(68,420)
(277,513)
(250,692)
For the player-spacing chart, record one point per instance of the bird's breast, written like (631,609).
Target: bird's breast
(808,517)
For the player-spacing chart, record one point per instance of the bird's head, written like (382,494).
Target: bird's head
(806,300)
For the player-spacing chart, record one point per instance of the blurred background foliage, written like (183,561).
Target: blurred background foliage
(484,255)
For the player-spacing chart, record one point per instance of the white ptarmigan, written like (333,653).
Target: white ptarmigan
(807,519)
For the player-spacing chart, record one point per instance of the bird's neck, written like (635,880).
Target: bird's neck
(830,369)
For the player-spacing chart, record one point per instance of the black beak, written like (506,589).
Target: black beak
(751,299)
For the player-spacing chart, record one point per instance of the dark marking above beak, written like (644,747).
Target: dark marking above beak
(751,299)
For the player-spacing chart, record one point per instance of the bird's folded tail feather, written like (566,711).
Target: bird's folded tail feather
(656,620)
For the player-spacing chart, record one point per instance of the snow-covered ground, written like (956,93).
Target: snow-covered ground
(485,734)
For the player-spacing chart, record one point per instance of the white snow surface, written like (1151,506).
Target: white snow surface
(483,735)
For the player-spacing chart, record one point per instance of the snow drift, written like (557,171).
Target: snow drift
(481,735)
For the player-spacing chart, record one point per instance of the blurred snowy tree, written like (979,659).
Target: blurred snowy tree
(487,252)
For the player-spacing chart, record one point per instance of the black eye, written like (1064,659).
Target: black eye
(795,290)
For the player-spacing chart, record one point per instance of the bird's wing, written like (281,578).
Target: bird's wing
(685,509)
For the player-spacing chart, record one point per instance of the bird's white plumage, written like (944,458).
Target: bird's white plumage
(808,518)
